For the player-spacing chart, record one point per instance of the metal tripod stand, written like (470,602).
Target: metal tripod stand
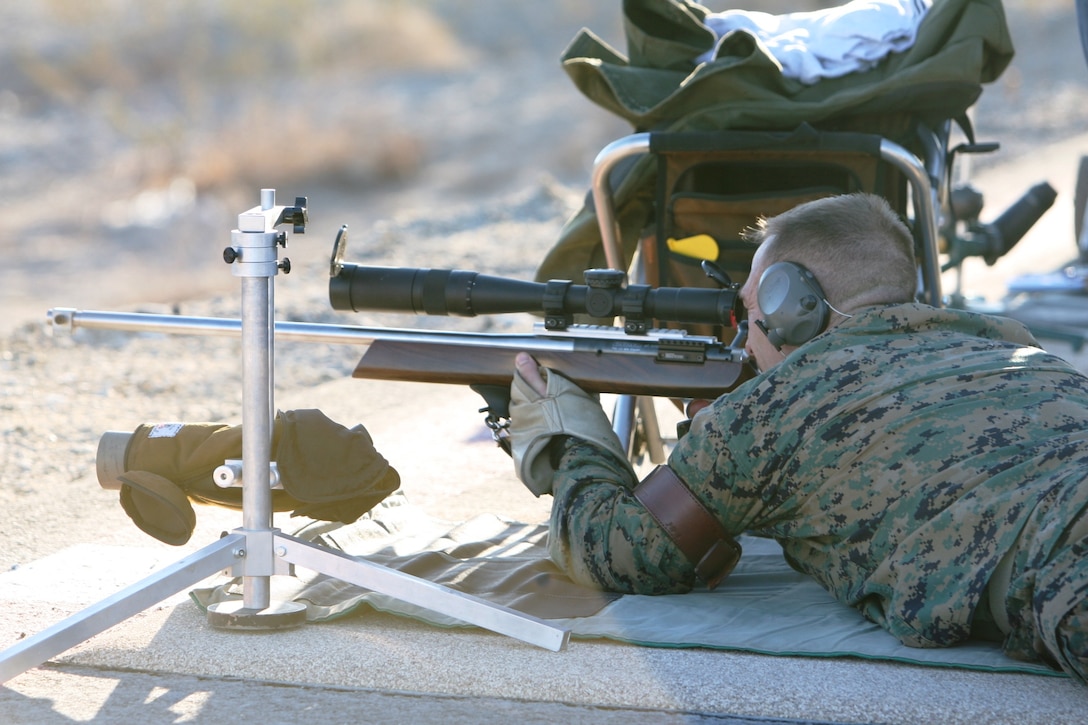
(257,551)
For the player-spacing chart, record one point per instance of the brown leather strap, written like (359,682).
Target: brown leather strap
(692,528)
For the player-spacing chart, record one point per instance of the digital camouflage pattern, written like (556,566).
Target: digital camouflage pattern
(897,458)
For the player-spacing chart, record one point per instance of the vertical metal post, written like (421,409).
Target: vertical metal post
(256,265)
(257,441)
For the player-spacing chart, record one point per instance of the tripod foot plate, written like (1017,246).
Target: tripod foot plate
(235,615)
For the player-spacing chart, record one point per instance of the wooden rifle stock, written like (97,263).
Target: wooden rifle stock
(670,366)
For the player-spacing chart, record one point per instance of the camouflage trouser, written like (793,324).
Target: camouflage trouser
(1047,597)
(1060,609)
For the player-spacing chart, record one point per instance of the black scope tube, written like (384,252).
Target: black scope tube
(461,293)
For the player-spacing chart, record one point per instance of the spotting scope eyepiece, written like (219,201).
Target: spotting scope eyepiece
(994,240)
(1014,223)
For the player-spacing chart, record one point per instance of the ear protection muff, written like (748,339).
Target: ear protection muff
(795,309)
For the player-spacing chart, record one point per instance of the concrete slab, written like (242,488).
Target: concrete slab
(401,669)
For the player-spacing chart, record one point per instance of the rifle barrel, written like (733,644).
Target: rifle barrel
(63,319)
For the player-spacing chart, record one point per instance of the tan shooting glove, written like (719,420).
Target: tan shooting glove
(565,409)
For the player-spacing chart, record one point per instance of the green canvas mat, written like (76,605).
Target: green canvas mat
(764,607)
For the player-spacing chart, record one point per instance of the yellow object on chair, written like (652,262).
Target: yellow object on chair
(700,246)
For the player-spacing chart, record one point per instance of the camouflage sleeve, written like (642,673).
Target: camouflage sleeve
(600,535)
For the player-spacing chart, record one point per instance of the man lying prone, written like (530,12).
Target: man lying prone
(927,466)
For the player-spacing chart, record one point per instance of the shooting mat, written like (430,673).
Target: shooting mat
(764,607)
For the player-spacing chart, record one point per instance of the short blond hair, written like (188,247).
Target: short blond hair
(858,248)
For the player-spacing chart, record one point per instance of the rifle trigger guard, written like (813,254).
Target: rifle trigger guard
(500,430)
(497,409)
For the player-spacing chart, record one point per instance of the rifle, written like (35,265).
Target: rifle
(667,363)
(636,359)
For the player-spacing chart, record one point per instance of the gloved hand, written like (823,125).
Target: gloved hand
(535,418)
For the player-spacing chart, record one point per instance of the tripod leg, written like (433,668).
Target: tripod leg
(128,602)
(422,593)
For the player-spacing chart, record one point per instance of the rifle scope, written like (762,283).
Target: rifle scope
(467,294)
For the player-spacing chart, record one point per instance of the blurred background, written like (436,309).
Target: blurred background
(132,133)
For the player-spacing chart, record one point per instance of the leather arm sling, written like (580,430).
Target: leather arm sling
(694,530)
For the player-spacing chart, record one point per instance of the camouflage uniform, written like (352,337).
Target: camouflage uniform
(897,459)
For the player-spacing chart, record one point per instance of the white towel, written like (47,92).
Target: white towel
(827,43)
